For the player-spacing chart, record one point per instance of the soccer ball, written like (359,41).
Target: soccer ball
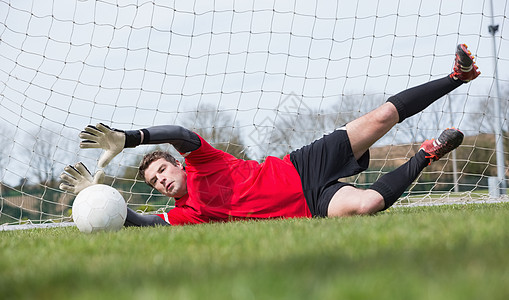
(99,207)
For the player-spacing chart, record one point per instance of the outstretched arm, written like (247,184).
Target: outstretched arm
(181,138)
(135,219)
(113,141)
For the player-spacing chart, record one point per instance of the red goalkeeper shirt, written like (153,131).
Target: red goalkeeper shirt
(223,188)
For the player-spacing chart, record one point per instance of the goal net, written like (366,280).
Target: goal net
(255,78)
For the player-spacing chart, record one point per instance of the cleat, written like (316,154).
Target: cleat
(448,140)
(465,68)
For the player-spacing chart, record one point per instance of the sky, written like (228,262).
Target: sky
(132,64)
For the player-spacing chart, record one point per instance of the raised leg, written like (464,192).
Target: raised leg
(385,191)
(366,130)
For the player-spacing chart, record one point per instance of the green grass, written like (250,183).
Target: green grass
(446,252)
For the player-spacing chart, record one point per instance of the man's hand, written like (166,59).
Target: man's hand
(104,137)
(76,178)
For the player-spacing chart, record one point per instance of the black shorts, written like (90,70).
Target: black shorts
(321,164)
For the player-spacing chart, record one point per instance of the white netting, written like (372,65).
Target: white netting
(255,77)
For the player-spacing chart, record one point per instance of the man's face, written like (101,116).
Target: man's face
(168,179)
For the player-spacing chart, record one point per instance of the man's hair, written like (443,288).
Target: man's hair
(150,158)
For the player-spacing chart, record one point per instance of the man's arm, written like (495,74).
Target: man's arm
(113,141)
(181,138)
(135,219)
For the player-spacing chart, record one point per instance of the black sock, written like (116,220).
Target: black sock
(416,99)
(393,184)
(135,219)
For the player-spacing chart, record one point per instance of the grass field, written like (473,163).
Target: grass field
(445,252)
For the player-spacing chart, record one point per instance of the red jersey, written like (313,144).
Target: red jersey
(223,188)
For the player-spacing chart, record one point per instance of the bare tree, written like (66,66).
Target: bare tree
(297,125)
(485,115)
(4,151)
(218,128)
(45,157)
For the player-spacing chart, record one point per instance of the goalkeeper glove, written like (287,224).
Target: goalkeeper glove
(104,137)
(78,177)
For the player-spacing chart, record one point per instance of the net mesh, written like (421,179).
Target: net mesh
(255,78)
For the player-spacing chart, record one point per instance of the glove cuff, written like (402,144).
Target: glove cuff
(132,138)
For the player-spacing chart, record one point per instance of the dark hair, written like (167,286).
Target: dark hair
(150,158)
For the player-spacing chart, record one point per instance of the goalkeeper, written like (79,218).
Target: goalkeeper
(214,186)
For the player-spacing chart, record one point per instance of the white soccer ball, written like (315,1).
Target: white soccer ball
(99,207)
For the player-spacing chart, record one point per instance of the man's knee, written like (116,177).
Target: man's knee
(371,204)
(386,114)
(350,201)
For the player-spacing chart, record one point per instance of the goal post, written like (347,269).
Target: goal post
(255,78)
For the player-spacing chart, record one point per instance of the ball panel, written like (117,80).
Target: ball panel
(83,224)
(116,222)
(98,218)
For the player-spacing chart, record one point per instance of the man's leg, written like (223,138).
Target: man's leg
(382,194)
(385,191)
(369,128)
(366,130)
